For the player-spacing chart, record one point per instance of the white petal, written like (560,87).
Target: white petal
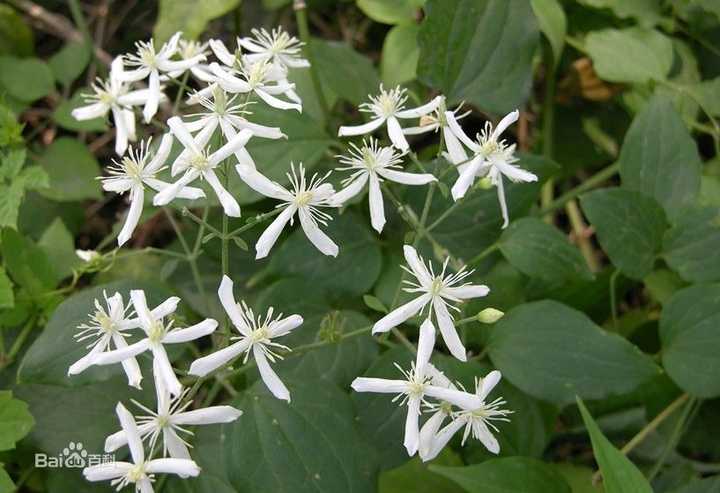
(181,133)
(207,416)
(377,209)
(108,470)
(503,204)
(231,147)
(426,344)
(207,364)
(229,204)
(350,191)
(271,380)
(427,435)
(397,137)
(379,385)
(134,75)
(412,431)
(457,130)
(132,434)
(172,191)
(421,110)
(227,81)
(221,52)
(466,178)
(121,131)
(406,178)
(321,241)
(180,65)
(89,359)
(270,235)
(416,264)
(284,326)
(277,103)
(161,155)
(165,308)
(118,355)
(455,149)
(401,314)
(256,129)
(466,292)
(423,129)
(139,301)
(130,365)
(134,98)
(227,299)
(442,438)
(181,467)
(486,437)
(459,398)
(489,383)
(191,333)
(165,370)
(95,110)
(365,128)
(175,446)
(119,438)
(129,117)
(507,120)
(448,331)
(261,184)
(515,173)
(137,198)
(151,105)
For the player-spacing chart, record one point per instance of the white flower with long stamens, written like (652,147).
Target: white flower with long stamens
(158,332)
(477,420)
(455,152)
(372,164)
(150,63)
(437,292)
(113,96)
(492,158)
(224,111)
(197,162)
(305,198)
(168,421)
(140,472)
(387,107)
(415,387)
(107,326)
(256,335)
(133,173)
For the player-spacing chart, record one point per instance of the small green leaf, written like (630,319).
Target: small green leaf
(10,129)
(16,37)
(399,55)
(63,115)
(375,304)
(68,63)
(690,247)
(539,250)
(59,245)
(241,244)
(395,12)
(72,170)
(7,298)
(15,420)
(26,263)
(620,475)
(26,79)
(553,24)
(188,16)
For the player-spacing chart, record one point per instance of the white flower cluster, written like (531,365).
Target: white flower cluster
(257,72)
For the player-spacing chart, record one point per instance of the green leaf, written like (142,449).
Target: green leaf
(553,24)
(705,93)
(359,259)
(662,284)
(72,169)
(690,339)
(540,250)
(315,446)
(10,129)
(465,46)
(188,16)
(629,227)
(343,71)
(26,263)
(16,37)
(646,54)
(620,475)
(506,475)
(15,420)
(659,157)
(395,12)
(7,298)
(14,181)
(415,476)
(63,115)
(646,12)
(690,247)
(59,245)
(540,346)
(374,303)
(26,79)
(68,63)
(579,478)
(6,482)
(400,55)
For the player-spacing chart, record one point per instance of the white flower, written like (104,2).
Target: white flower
(140,472)
(149,63)
(190,50)
(261,78)
(388,107)
(492,157)
(415,387)
(432,122)
(477,421)
(225,112)
(106,326)
(168,421)
(256,335)
(158,332)
(87,255)
(196,162)
(304,198)
(132,173)
(113,96)
(437,291)
(373,164)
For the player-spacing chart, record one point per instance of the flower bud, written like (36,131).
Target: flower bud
(490,315)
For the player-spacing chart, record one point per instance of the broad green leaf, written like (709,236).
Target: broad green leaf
(188,16)
(646,54)
(26,263)
(506,475)
(26,79)
(59,245)
(358,262)
(539,250)
(706,93)
(6,483)
(51,354)
(540,346)
(690,339)
(399,55)
(16,37)
(68,63)
(343,71)
(620,475)
(690,247)
(395,12)
(63,115)
(579,478)
(553,24)
(707,485)
(72,170)
(465,46)
(709,191)
(629,227)
(7,298)
(15,420)
(307,445)
(646,12)
(415,476)
(659,157)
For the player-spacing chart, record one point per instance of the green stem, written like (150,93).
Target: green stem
(677,430)
(485,253)
(189,254)
(181,92)
(588,184)
(613,297)
(304,31)
(19,341)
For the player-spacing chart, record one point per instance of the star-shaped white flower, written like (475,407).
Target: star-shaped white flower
(141,471)
(197,162)
(305,198)
(106,326)
(437,291)
(113,95)
(415,387)
(492,158)
(133,173)
(477,421)
(150,63)
(372,163)
(158,332)
(455,152)
(256,335)
(387,107)
(169,420)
